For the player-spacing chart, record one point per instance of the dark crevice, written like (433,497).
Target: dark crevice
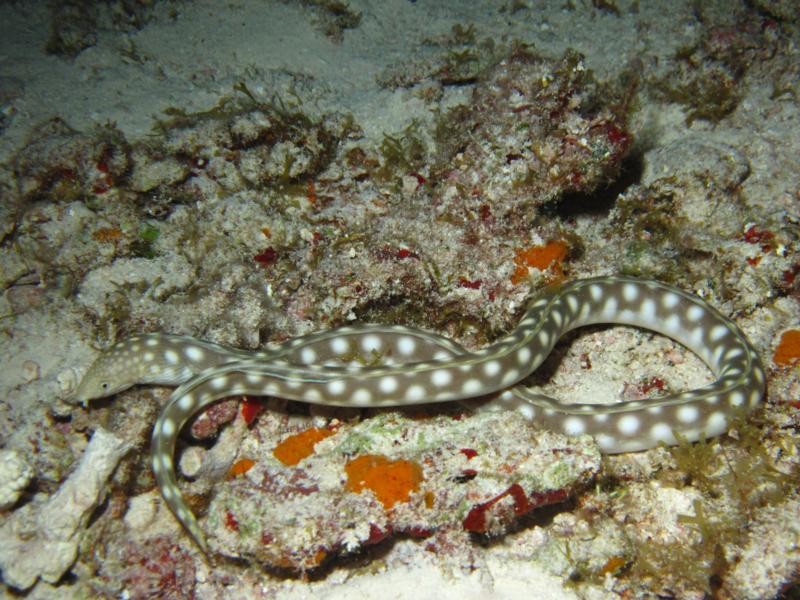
(598,202)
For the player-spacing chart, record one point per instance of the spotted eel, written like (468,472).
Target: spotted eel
(421,367)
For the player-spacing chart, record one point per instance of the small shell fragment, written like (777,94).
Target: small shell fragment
(191,461)
(31,371)
(67,382)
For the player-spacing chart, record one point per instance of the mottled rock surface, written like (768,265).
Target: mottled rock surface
(477,473)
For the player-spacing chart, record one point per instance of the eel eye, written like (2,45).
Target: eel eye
(105,386)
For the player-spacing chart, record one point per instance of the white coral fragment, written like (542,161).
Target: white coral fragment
(41,540)
(15,475)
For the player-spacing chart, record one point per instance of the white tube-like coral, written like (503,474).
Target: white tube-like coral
(41,539)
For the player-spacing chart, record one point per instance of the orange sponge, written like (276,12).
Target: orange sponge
(539,257)
(391,480)
(788,351)
(296,447)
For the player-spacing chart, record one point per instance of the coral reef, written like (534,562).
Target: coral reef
(485,157)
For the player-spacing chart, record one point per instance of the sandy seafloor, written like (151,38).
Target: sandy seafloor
(705,192)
